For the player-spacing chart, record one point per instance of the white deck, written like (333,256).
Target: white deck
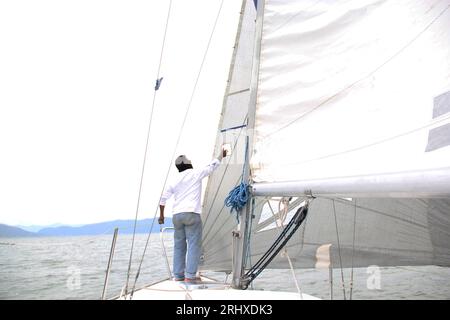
(209,289)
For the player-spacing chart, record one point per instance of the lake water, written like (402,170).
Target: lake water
(74,268)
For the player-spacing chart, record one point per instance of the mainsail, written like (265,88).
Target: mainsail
(353,109)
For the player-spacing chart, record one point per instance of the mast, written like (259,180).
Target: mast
(241,237)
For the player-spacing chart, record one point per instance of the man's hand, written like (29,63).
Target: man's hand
(161,214)
(223,154)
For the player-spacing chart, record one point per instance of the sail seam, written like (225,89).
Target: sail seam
(237,92)
(433,123)
(220,183)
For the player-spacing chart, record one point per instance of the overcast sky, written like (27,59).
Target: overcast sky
(76,87)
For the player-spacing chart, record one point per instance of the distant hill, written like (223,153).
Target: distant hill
(125,227)
(9,231)
(36,228)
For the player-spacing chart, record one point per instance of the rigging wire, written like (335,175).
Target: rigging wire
(178,140)
(158,83)
(248,257)
(339,250)
(205,237)
(220,183)
(372,210)
(353,252)
(285,209)
(227,95)
(282,215)
(222,234)
(278,244)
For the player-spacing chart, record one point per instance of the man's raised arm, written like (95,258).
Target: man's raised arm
(213,165)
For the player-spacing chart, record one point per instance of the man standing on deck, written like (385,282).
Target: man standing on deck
(187,189)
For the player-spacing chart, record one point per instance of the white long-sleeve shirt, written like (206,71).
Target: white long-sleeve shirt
(187,189)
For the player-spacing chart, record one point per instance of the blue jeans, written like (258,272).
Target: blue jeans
(188,236)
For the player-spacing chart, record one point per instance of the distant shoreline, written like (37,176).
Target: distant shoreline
(102,228)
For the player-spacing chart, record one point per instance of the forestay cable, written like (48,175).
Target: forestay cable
(177,142)
(157,86)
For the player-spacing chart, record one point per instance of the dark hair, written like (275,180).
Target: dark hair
(183,163)
(183,166)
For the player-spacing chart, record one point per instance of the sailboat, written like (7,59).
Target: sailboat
(337,114)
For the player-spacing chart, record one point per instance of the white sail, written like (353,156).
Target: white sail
(353,101)
(218,223)
(353,88)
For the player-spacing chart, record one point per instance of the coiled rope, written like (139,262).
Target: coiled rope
(238,197)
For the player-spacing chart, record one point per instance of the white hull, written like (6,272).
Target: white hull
(208,289)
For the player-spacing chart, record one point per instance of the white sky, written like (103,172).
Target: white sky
(76,86)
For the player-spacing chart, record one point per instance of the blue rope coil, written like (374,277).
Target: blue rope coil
(237,198)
